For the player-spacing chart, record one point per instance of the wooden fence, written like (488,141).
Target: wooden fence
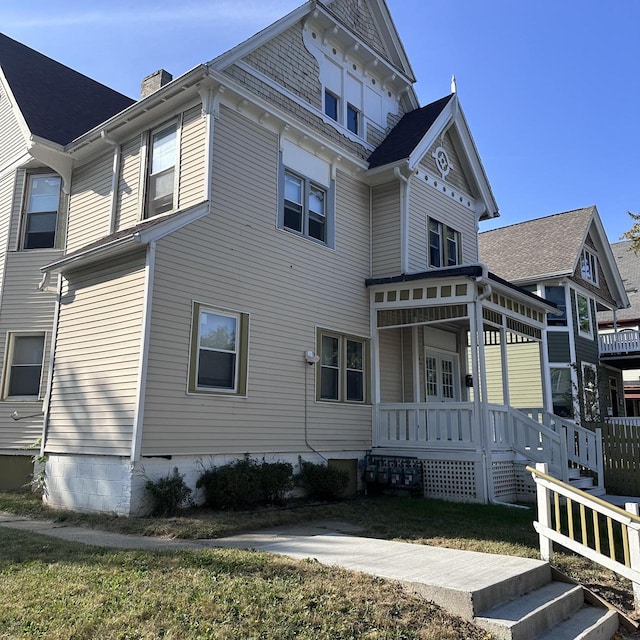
(621,452)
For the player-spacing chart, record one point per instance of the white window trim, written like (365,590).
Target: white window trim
(9,351)
(586,255)
(24,214)
(582,333)
(147,149)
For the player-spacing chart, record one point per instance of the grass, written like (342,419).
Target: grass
(351,607)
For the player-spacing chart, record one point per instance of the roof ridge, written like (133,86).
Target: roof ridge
(531,220)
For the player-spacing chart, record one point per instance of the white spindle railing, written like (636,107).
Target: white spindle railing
(441,425)
(624,422)
(620,342)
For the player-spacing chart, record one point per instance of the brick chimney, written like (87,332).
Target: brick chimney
(153,82)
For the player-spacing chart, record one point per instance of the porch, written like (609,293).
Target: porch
(621,348)
(458,356)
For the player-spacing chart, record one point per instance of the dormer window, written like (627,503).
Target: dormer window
(589,266)
(331,103)
(353,119)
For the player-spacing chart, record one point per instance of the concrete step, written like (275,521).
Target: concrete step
(529,615)
(589,623)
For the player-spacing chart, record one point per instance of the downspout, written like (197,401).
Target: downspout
(117,160)
(486,457)
(404,217)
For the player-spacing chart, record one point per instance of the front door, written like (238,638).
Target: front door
(440,376)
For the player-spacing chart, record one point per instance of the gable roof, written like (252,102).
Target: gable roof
(407,134)
(549,248)
(418,130)
(629,266)
(56,102)
(537,249)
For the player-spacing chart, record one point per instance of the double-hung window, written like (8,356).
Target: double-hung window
(306,208)
(42,205)
(583,306)
(590,390)
(219,344)
(331,105)
(557,296)
(342,366)
(353,119)
(589,266)
(444,244)
(162,170)
(24,366)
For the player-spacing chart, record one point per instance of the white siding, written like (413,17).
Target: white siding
(386,230)
(12,140)
(192,160)
(390,349)
(236,258)
(95,377)
(90,202)
(426,201)
(129,197)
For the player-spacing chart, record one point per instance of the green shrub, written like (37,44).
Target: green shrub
(245,483)
(168,495)
(322,482)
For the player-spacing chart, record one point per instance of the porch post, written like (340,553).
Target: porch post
(504,364)
(416,363)
(375,371)
(547,399)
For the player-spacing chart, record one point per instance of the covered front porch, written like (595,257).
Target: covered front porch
(457,383)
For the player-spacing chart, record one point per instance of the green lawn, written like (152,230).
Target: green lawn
(235,594)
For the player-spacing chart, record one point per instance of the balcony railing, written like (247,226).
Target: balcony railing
(620,342)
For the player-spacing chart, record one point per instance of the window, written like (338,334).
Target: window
(445,248)
(557,296)
(584,315)
(331,103)
(219,345)
(562,392)
(162,170)
(42,204)
(590,390)
(588,266)
(25,366)
(353,119)
(307,208)
(342,368)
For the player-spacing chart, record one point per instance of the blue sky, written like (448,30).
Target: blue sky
(549,87)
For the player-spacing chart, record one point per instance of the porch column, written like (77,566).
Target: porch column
(547,399)
(375,370)
(504,364)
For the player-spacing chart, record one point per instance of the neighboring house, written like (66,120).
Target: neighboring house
(620,331)
(567,259)
(276,255)
(43,106)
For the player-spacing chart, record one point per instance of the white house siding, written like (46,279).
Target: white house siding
(24,309)
(428,201)
(386,230)
(95,379)
(90,202)
(235,258)
(192,150)
(7,184)
(390,350)
(12,141)
(129,197)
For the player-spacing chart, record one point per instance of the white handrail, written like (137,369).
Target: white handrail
(620,342)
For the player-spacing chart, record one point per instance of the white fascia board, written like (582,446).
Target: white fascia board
(522,297)
(174,223)
(228,58)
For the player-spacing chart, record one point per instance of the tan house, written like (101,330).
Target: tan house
(43,106)
(276,254)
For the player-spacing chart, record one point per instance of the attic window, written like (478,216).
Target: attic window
(589,266)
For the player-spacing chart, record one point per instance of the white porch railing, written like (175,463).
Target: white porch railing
(454,426)
(606,534)
(448,425)
(625,422)
(620,342)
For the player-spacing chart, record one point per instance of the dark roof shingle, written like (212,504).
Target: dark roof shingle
(58,103)
(406,135)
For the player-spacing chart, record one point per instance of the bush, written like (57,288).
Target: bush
(168,495)
(245,483)
(322,482)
